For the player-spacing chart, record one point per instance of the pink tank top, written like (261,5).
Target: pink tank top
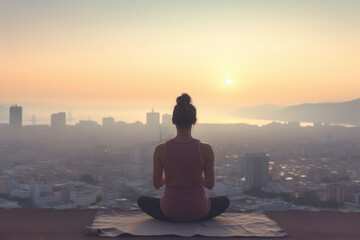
(184,196)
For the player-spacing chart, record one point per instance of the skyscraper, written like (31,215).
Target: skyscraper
(166,119)
(153,119)
(167,127)
(256,169)
(58,120)
(153,125)
(15,116)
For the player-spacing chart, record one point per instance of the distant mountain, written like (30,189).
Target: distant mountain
(341,113)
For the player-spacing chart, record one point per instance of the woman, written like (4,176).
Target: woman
(183,159)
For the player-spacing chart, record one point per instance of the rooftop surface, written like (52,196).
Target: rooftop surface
(45,224)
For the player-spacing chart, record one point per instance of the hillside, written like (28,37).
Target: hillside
(342,112)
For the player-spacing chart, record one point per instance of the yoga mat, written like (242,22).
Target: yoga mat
(111,223)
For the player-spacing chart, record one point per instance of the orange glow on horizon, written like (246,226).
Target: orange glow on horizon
(140,59)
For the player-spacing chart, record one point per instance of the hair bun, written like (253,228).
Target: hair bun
(183,99)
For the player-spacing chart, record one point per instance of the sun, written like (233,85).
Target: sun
(228,81)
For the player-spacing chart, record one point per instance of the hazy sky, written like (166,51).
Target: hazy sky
(134,55)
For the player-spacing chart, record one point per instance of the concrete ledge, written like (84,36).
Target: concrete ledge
(46,224)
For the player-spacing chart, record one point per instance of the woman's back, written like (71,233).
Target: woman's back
(184,160)
(183,165)
(184,197)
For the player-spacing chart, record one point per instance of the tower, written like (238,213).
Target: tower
(15,116)
(153,119)
(153,125)
(256,169)
(33,120)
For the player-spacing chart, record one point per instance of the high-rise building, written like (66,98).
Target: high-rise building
(58,120)
(15,116)
(341,192)
(153,119)
(256,169)
(167,127)
(166,119)
(153,125)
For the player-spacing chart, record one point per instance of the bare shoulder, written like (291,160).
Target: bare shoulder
(206,149)
(160,149)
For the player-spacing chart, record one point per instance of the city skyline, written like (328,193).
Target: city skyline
(61,119)
(336,113)
(133,55)
(68,120)
(49,166)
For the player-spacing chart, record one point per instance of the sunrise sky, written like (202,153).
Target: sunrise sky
(130,56)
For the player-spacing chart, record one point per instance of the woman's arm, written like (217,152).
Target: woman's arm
(158,179)
(208,156)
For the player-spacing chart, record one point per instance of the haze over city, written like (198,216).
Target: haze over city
(96,114)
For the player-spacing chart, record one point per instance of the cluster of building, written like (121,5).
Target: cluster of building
(319,159)
(58,195)
(157,131)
